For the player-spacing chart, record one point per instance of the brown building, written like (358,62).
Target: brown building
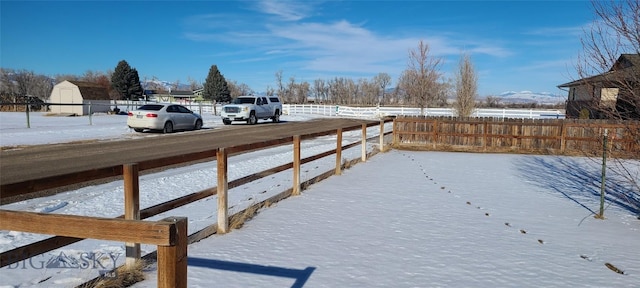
(613,93)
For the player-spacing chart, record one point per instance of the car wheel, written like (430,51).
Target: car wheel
(138,129)
(226,122)
(198,125)
(252,119)
(168,128)
(276,117)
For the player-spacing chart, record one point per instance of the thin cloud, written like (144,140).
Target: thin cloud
(558,31)
(338,46)
(213,21)
(545,65)
(285,10)
(491,50)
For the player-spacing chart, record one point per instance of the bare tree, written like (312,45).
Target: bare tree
(352,91)
(280,89)
(383,80)
(175,86)
(320,91)
(62,77)
(234,90)
(7,84)
(24,79)
(420,79)
(194,84)
(245,89)
(301,92)
(466,86)
(41,87)
(270,91)
(339,91)
(370,91)
(92,76)
(492,102)
(290,90)
(238,89)
(24,86)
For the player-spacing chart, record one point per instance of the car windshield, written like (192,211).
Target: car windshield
(243,100)
(151,107)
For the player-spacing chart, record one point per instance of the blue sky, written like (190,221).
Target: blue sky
(514,45)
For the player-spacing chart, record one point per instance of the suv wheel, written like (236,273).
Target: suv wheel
(276,117)
(252,119)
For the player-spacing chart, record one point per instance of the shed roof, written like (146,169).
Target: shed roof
(91,90)
(182,93)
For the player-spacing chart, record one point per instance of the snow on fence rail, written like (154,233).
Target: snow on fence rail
(172,271)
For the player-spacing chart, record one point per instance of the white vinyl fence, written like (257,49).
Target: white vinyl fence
(368,112)
(377,112)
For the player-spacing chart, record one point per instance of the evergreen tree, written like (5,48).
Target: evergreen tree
(126,81)
(215,86)
(135,90)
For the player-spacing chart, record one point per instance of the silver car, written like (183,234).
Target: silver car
(163,117)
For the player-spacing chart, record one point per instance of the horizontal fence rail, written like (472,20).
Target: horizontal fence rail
(386,111)
(169,234)
(130,173)
(517,135)
(332,110)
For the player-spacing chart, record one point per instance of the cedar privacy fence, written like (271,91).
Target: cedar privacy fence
(170,234)
(546,136)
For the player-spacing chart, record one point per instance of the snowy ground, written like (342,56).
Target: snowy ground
(403,219)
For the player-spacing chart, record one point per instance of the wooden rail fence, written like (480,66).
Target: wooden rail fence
(547,136)
(169,234)
(171,269)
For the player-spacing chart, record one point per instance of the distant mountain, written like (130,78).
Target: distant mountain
(166,85)
(531,97)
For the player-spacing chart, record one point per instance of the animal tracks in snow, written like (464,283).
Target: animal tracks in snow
(522,231)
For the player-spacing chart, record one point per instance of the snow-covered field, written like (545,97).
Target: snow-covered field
(402,219)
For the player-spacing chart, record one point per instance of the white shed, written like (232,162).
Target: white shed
(81,94)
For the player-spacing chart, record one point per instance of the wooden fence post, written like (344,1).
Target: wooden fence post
(435,133)
(131,208)
(364,142)
(172,260)
(563,137)
(296,165)
(339,151)
(223,187)
(395,133)
(484,134)
(381,135)
(514,135)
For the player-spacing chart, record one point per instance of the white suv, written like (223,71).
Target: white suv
(251,108)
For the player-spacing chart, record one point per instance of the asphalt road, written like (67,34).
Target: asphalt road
(40,161)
